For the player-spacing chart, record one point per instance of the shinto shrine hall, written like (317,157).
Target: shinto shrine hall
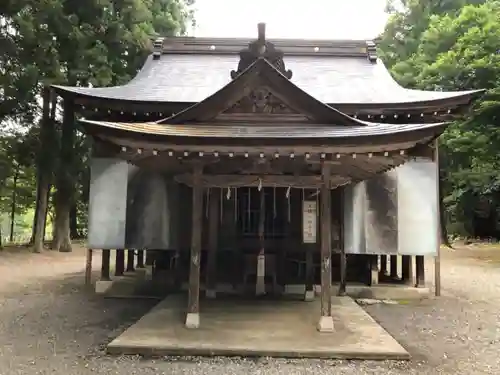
(263,167)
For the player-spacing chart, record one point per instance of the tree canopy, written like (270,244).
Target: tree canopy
(67,42)
(454,45)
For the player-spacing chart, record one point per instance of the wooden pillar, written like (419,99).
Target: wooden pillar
(437,258)
(343,257)
(213,242)
(373,269)
(119,262)
(310,249)
(88,268)
(106,255)
(394,267)
(193,313)
(130,260)
(140,259)
(309,294)
(420,271)
(383,265)
(407,270)
(326,321)
(260,282)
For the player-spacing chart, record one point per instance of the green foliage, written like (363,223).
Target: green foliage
(455,45)
(67,42)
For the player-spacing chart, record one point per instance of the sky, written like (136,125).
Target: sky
(307,19)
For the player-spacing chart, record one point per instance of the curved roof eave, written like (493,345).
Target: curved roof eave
(252,131)
(337,81)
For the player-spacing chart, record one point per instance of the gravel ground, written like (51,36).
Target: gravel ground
(50,325)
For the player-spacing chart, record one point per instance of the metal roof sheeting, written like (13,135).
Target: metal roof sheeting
(263,131)
(334,80)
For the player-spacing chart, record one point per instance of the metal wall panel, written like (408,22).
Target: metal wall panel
(354,218)
(151,212)
(381,214)
(107,203)
(417,208)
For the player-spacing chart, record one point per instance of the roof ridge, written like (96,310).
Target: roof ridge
(291,47)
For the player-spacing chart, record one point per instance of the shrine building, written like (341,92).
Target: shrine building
(264,167)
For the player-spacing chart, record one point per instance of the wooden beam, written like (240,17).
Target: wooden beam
(193,313)
(261,180)
(213,233)
(326,321)
(298,150)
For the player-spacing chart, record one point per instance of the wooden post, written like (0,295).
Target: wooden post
(130,260)
(119,262)
(407,270)
(310,249)
(140,259)
(383,265)
(309,294)
(213,232)
(343,256)
(88,268)
(193,313)
(394,267)
(106,255)
(420,271)
(373,268)
(260,282)
(437,258)
(326,321)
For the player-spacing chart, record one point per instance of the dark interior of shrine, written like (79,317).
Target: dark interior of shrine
(238,241)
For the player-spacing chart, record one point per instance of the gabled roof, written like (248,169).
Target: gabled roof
(262,75)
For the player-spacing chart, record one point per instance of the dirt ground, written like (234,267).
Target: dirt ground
(49,324)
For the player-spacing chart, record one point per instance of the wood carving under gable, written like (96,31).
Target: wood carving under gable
(260,100)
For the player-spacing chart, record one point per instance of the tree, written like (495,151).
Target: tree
(456,47)
(78,43)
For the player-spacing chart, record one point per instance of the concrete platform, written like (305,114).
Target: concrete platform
(261,327)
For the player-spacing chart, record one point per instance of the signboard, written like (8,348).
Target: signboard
(309,221)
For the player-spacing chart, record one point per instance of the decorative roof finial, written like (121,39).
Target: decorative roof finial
(261,48)
(261,27)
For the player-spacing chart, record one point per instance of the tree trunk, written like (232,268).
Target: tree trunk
(45,163)
(73,222)
(64,193)
(13,205)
